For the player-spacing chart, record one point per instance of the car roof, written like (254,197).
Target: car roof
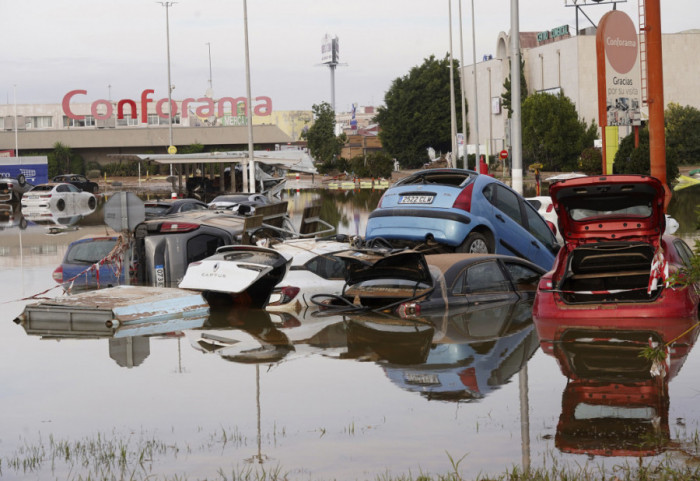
(444,262)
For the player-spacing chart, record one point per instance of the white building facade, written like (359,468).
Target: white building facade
(568,65)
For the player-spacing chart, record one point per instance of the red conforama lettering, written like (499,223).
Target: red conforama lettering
(207,108)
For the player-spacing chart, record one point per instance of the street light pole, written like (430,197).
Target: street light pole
(476,98)
(249,106)
(210,78)
(167,6)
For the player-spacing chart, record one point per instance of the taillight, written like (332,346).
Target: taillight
(379,204)
(166,227)
(288,293)
(58,274)
(550,208)
(45,196)
(464,199)
(408,309)
(545,284)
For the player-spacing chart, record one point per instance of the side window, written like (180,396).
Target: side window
(538,227)
(508,203)
(524,278)
(486,277)
(683,251)
(202,246)
(327,266)
(489,193)
(62,188)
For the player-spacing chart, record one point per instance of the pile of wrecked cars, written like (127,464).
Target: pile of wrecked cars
(440,240)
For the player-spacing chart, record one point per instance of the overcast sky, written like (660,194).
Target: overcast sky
(117,48)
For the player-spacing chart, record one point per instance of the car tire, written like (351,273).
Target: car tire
(92,202)
(21,180)
(61,204)
(475,243)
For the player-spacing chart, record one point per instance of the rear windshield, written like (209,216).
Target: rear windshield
(437,177)
(40,188)
(610,207)
(90,252)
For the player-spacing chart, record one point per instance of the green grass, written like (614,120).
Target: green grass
(138,456)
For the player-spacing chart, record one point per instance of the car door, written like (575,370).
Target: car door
(543,243)
(481,283)
(512,238)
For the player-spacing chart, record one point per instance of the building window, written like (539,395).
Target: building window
(155,119)
(42,122)
(128,120)
(87,121)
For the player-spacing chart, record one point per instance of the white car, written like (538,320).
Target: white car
(545,208)
(58,197)
(314,270)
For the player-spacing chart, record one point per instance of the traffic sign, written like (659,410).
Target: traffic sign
(503,154)
(123,211)
(172,150)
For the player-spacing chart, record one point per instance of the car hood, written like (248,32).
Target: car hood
(613,207)
(362,265)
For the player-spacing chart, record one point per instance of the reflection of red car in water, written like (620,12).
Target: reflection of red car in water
(612,404)
(610,272)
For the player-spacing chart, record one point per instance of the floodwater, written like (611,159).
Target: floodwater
(323,398)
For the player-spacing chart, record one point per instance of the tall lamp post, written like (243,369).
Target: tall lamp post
(167,6)
(251,158)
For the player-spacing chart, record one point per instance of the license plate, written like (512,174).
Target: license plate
(160,276)
(416,199)
(422,379)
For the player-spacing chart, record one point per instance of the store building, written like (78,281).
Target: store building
(557,61)
(101,128)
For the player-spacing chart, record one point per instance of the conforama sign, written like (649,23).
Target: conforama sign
(204,106)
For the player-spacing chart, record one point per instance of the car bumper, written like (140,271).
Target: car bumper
(671,314)
(445,227)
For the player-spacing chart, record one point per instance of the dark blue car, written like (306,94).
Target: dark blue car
(462,211)
(95,262)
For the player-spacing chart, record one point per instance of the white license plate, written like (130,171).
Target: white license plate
(422,379)
(160,276)
(416,199)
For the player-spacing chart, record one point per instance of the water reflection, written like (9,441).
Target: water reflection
(616,401)
(463,355)
(126,349)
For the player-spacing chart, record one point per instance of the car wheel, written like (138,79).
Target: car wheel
(475,243)
(92,202)
(61,204)
(21,180)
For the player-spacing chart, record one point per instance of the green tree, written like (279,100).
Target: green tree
(591,161)
(552,133)
(417,113)
(506,95)
(324,145)
(683,132)
(62,160)
(631,160)
(376,165)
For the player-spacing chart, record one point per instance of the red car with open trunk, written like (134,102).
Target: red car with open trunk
(611,272)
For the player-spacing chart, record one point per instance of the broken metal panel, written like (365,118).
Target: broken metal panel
(118,305)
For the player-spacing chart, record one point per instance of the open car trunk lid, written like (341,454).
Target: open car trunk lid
(364,265)
(608,208)
(235,268)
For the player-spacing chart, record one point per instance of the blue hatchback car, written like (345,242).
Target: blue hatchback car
(95,262)
(462,211)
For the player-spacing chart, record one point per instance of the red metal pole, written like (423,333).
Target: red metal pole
(657,135)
